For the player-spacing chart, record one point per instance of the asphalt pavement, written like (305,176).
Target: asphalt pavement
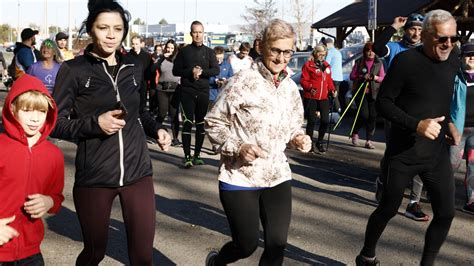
(333,196)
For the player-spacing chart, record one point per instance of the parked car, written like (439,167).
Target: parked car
(297,61)
(10,48)
(349,55)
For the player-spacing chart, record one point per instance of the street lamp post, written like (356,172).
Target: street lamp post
(69,40)
(18,38)
(146,19)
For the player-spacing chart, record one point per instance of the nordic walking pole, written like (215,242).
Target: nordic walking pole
(358,110)
(330,119)
(349,105)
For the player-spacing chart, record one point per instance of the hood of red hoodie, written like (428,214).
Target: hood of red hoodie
(12,126)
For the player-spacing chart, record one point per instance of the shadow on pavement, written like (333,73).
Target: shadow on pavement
(65,223)
(197,213)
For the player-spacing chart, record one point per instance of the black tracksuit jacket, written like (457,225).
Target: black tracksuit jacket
(416,87)
(83,91)
(191,56)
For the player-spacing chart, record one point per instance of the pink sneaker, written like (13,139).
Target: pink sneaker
(355,140)
(369,145)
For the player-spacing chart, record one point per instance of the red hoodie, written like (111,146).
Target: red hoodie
(25,171)
(316,79)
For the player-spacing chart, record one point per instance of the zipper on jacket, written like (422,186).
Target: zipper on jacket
(120,135)
(323,75)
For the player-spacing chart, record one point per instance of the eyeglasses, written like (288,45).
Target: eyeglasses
(275,52)
(444,39)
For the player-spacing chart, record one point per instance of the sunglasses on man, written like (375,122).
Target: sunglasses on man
(444,39)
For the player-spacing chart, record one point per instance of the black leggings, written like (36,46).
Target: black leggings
(439,183)
(244,210)
(367,115)
(193,109)
(166,107)
(311,106)
(93,206)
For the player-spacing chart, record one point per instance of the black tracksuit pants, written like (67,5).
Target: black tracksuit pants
(311,106)
(439,182)
(193,109)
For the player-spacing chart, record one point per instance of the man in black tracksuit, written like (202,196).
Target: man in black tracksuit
(195,64)
(415,96)
(141,56)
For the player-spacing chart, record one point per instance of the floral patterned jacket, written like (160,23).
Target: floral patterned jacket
(251,109)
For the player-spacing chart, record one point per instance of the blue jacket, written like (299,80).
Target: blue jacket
(225,72)
(458,102)
(334,58)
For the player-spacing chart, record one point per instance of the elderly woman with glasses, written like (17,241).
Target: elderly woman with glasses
(317,85)
(256,115)
(47,69)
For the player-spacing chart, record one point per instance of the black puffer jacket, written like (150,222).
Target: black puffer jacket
(83,91)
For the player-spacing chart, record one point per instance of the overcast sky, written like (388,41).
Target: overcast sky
(177,11)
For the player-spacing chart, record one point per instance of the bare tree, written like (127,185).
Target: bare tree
(302,14)
(258,16)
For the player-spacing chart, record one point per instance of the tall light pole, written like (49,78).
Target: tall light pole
(129,30)
(184,15)
(18,37)
(69,40)
(45,31)
(146,19)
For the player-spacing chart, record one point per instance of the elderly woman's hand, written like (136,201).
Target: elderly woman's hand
(250,152)
(302,142)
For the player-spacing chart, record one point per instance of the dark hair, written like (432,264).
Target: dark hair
(245,46)
(194,23)
(96,7)
(219,50)
(368,46)
(257,40)
(175,51)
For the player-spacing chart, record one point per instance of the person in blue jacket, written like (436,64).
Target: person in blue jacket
(462,116)
(217,82)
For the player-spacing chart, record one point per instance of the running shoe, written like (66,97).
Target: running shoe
(197,160)
(362,261)
(414,212)
(469,207)
(211,257)
(320,148)
(176,143)
(378,190)
(355,140)
(188,162)
(369,145)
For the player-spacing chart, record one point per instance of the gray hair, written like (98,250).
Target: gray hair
(435,17)
(319,48)
(278,29)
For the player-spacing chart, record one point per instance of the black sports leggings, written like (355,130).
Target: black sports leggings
(193,109)
(166,107)
(311,106)
(367,116)
(93,206)
(439,183)
(244,210)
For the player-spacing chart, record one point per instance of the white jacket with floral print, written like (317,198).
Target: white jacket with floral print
(252,110)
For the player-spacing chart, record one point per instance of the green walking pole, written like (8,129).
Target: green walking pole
(358,109)
(349,105)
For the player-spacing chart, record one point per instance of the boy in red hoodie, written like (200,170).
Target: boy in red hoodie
(31,171)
